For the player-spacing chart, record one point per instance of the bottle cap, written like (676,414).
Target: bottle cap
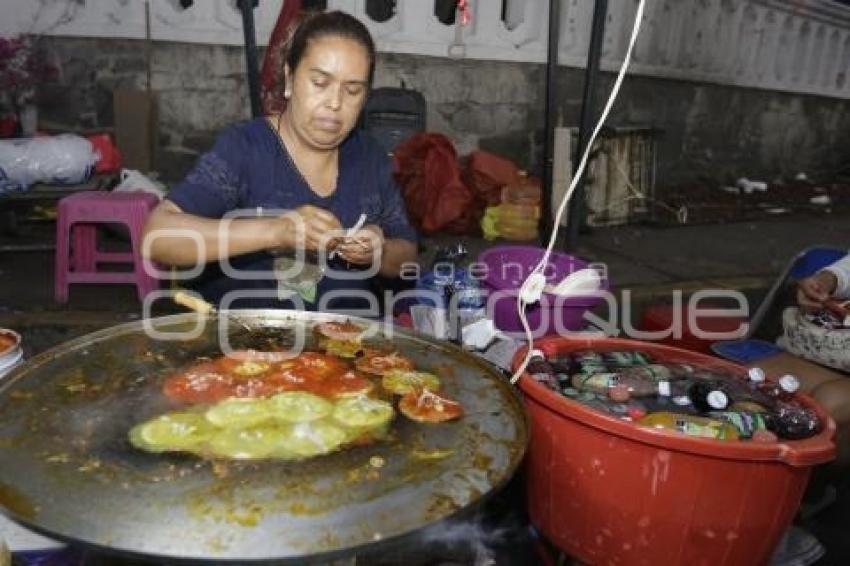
(789,383)
(756,374)
(537,354)
(717,400)
(664,388)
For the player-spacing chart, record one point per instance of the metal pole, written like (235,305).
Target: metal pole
(548,118)
(247,9)
(591,74)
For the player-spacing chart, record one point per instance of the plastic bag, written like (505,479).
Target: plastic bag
(64,159)
(109,158)
(427,169)
(132,180)
(487,173)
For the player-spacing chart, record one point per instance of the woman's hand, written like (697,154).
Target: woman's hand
(364,247)
(814,291)
(308,226)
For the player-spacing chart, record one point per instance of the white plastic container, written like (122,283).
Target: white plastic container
(11,353)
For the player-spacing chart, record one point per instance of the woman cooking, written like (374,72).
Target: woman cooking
(307,182)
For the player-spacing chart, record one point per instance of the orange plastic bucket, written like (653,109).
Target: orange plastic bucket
(607,491)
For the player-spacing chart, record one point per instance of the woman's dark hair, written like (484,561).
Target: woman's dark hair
(323,24)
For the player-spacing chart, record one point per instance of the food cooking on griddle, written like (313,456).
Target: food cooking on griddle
(342,331)
(256,405)
(420,401)
(286,426)
(342,339)
(401,381)
(341,348)
(250,374)
(428,407)
(377,362)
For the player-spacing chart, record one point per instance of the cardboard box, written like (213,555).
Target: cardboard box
(136,128)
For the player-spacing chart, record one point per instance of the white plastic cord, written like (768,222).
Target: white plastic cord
(541,266)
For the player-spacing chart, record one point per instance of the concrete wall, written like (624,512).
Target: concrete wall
(709,131)
(798,46)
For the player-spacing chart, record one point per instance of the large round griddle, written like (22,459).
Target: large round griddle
(67,469)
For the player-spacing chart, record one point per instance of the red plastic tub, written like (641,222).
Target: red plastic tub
(508,267)
(607,491)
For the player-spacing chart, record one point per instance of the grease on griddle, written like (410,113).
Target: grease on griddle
(262,339)
(17,502)
(442,505)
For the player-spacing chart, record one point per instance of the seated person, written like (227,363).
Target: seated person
(303,178)
(830,388)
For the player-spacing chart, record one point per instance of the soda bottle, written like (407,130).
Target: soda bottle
(619,393)
(594,401)
(602,382)
(793,421)
(747,394)
(782,389)
(589,368)
(631,410)
(626,358)
(563,365)
(748,407)
(766,393)
(588,357)
(691,425)
(672,396)
(708,396)
(660,372)
(542,371)
(746,422)
(588,362)
(594,382)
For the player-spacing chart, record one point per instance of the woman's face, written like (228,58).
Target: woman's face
(328,89)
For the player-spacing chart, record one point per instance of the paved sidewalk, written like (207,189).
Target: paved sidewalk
(746,253)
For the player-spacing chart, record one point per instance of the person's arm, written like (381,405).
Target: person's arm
(222,238)
(831,282)
(204,239)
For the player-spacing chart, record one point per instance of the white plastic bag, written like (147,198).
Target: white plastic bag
(132,180)
(64,159)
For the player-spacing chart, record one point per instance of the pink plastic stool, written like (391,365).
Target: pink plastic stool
(77,255)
